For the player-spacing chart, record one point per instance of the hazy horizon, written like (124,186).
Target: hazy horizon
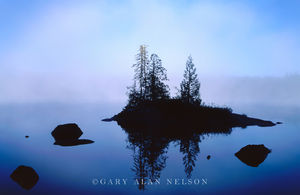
(93,88)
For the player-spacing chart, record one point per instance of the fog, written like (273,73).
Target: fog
(98,88)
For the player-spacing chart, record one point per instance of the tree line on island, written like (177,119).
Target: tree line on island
(150,77)
(150,105)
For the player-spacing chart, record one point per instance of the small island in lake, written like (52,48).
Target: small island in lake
(152,119)
(151,107)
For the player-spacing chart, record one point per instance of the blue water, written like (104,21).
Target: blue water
(78,169)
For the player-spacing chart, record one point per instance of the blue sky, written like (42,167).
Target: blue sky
(42,41)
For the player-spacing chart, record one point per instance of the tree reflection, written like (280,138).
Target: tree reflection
(189,147)
(149,155)
(150,146)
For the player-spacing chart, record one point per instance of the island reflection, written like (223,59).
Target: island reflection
(150,148)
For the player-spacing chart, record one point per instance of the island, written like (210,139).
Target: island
(151,107)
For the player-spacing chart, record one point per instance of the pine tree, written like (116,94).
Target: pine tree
(149,78)
(140,69)
(156,88)
(190,86)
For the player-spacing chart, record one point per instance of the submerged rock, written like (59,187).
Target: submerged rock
(253,155)
(68,135)
(25,176)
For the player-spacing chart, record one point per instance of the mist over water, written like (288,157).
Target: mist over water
(84,87)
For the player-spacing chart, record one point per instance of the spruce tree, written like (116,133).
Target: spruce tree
(190,86)
(141,69)
(149,78)
(156,88)
(137,92)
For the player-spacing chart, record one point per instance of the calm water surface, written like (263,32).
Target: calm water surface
(78,169)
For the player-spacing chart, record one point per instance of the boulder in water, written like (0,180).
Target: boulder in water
(69,131)
(25,176)
(253,155)
(68,134)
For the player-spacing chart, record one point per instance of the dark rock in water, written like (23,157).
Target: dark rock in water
(279,123)
(26,136)
(69,131)
(208,157)
(68,134)
(25,176)
(253,155)
(73,142)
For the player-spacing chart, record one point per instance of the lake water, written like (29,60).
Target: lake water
(79,169)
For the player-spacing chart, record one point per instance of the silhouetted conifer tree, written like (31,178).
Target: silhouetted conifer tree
(190,86)
(149,77)
(156,88)
(141,69)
